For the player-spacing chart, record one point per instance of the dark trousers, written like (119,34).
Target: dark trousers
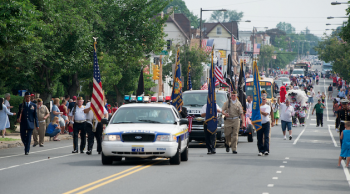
(26,136)
(76,128)
(97,135)
(210,139)
(294,119)
(301,120)
(319,118)
(263,137)
(341,129)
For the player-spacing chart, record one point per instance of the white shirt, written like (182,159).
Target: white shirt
(7,104)
(249,105)
(90,115)
(79,113)
(286,113)
(265,108)
(204,109)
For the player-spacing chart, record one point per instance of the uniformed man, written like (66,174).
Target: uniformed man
(94,128)
(27,116)
(232,109)
(342,117)
(78,119)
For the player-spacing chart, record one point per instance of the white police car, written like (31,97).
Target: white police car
(146,131)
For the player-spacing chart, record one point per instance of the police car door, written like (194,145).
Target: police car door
(182,128)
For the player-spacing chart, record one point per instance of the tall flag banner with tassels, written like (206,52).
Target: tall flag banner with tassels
(176,95)
(211,112)
(241,88)
(256,115)
(97,101)
(189,82)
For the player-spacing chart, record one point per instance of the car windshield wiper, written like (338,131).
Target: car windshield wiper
(193,104)
(123,122)
(149,121)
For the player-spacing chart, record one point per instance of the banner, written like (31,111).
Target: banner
(176,95)
(256,115)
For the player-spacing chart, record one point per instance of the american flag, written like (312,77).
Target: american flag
(207,44)
(205,86)
(190,118)
(219,76)
(256,48)
(97,92)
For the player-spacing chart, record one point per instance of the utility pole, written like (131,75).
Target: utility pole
(160,80)
(200,31)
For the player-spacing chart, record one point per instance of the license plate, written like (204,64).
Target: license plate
(136,148)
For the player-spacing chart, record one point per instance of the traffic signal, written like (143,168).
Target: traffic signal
(155,73)
(225,61)
(244,62)
(168,44)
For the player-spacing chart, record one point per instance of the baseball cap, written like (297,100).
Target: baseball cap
(74,97)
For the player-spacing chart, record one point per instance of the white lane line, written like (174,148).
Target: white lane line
(284,162)
(313,119)
(37,151)
(330,132)
(275,178)
(37,161)
(308,113)
(278,172)
(346,171)
(281,166)
(270,185)
(265,193)
(287,158)
(296,140)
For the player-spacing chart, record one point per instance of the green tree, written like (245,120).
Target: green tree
(226,16)
(180,7)
(195,56)
(149,83)
(287,27)
(266,53)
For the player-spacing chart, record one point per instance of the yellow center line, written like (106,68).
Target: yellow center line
(82,187)
(117,178)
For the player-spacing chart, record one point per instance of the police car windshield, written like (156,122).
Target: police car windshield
(199,99)
(143,115)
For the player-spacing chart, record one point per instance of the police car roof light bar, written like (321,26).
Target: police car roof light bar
(161,99)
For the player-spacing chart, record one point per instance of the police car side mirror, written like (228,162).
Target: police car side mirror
(183,122)
(104,121)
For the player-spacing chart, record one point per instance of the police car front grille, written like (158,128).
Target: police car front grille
(138,137)
(138,153)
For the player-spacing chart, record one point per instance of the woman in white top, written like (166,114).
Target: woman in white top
(4,121)
(8,106)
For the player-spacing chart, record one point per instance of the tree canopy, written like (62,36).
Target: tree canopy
(226,16)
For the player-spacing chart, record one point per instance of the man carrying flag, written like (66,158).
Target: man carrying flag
(209,111)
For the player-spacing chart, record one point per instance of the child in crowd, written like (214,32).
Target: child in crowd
(53,130)
(276,113)
(323,97)
(302,115)
(345,148)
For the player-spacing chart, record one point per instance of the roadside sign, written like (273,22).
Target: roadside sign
(163,52)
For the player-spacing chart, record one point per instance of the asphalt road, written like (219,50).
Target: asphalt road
(305,164)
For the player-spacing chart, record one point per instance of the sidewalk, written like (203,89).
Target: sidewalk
(18,142)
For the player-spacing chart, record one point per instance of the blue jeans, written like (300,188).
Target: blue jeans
(264,138)
(54,133)
(286,124)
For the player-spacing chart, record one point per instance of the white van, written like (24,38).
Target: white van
(298,72)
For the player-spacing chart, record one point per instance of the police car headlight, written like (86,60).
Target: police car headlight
(166,138)
(111,138)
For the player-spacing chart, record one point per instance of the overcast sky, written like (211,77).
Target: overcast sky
(267,13)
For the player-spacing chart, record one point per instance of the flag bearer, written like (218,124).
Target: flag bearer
(342,117)
(78,119)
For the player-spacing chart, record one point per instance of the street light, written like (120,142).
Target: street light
(200,25)
(336,17)
(338,3)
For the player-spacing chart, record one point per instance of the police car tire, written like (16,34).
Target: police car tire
(184,154)
(117,158)
(176,160)
(106,160)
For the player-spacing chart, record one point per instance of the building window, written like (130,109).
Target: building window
(218,30)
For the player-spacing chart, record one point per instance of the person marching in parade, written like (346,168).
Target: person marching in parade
(78,119)
(342,117)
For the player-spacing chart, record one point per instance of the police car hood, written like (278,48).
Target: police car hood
(142,128)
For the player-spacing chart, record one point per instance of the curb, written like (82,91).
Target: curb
(13,144)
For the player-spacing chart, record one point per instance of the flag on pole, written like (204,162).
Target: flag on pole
(189,82)
(241,88)
(140,87)
(97,100)
(256,115)
(176,95)
(211,112)
(218,75)
(190,118)
(207,44)
(204,87)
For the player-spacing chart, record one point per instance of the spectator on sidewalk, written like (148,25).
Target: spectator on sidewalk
(32,99)
(330,92)
(7,104)
(63,109)
(56,111)
(341,94)
(43,113)
(67,98)
(115,108)
(72,104)
(54,129)
(4,120)
(319,112)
